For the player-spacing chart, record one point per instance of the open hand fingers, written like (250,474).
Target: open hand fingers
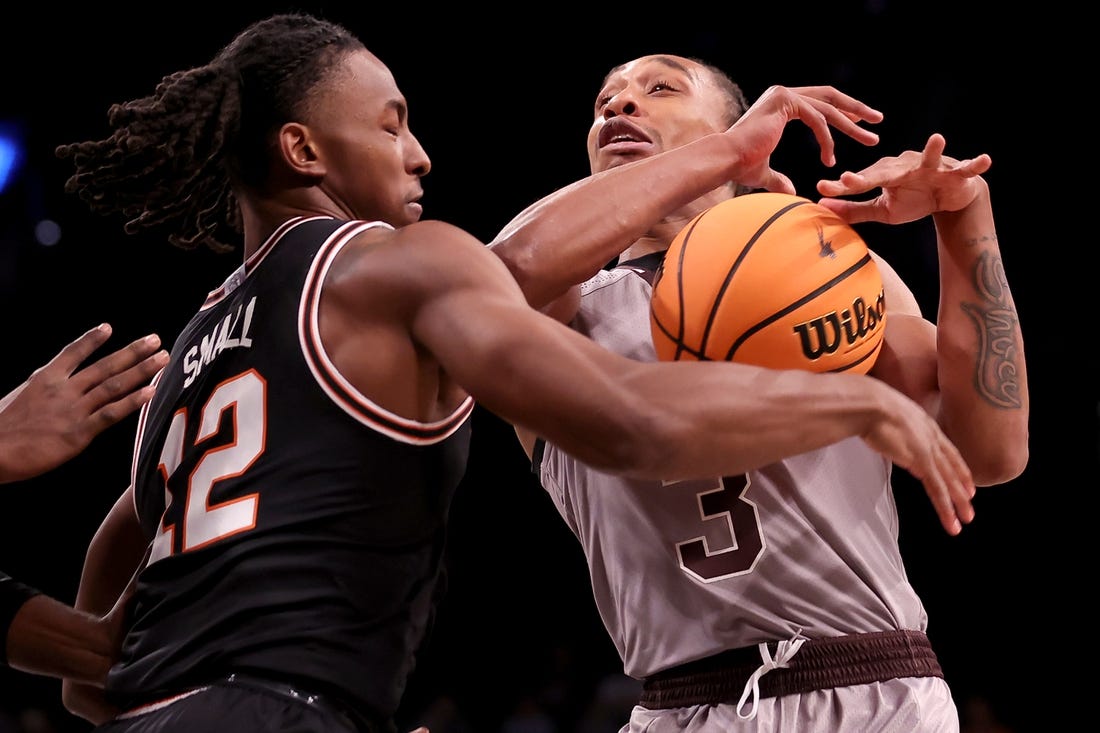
(962,486)
(914,441)
(933,151)
(822,117)
(74,354)
(852,212)
(975,166)
(948,482)
(845,122)
(777,182)
(120,393)
(838,110)
(849,106)
(848,184)
(116,363)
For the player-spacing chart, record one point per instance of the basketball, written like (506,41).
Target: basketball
(769,279)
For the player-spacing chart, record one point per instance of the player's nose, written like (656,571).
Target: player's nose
(623,103)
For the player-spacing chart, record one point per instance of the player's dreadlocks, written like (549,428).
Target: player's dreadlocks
(172,155)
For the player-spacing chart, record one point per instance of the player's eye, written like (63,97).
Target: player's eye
(661,86)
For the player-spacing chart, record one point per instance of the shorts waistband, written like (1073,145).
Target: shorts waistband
(815,664)
(290,691)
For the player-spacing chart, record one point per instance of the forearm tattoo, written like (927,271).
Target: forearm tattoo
(997,374)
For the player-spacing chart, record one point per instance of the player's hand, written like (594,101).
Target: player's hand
(913,185)
(54,415)
(912,439)
(820,108)
(115,622)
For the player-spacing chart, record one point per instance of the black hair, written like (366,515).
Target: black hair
(736,106)
(737,103)
(173,155)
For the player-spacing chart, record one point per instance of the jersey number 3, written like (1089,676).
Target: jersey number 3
(727,502)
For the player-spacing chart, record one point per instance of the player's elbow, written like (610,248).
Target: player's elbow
(1000,469)
(523,265)
(1001,462)
(542,285)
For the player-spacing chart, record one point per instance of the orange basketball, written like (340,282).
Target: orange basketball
(769,279)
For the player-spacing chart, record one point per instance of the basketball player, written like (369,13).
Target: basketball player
(775,598)
(44,422)
(294,471)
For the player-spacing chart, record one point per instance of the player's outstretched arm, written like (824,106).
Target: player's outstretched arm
(566,237)
(664,420)
(56,413)
(48,637)
(969,368)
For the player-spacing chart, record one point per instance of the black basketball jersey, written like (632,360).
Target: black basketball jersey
(297,527)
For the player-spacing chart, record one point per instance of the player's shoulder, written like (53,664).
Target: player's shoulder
(429,231)
(429,238)
(410,256)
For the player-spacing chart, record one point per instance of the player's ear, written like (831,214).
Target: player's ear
(299,151)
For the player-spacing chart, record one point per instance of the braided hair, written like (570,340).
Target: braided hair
(172,156)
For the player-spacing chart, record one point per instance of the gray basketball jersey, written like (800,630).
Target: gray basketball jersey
(684,570)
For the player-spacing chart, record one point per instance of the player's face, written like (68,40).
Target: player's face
(373,163)
(653,104)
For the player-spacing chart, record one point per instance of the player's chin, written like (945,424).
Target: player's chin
(607,162)
(411,212)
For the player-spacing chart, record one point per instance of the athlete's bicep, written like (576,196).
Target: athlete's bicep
(514,360)
(520,364)
(908,360)
(899,298)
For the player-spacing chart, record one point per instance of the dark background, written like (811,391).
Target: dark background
(502,102)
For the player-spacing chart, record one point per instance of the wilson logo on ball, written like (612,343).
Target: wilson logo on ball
(769,279)
(824,335)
